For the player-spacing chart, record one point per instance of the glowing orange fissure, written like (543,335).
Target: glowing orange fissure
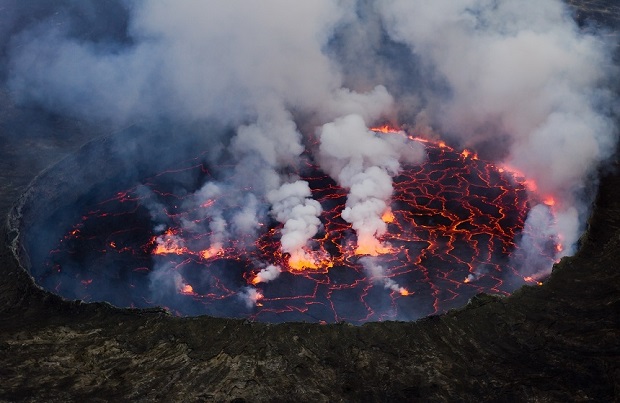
(169,243)
(448,217)
(213,251)
(386,129)
(372,247)
(259,296)
(304,260)
(530,184)
(388,216)
(187,289)
(166,249)
(530,279)
(301,260)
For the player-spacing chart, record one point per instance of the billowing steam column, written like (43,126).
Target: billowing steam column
(293,206)
(364,163)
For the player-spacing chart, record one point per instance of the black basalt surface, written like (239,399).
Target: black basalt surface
(556,342)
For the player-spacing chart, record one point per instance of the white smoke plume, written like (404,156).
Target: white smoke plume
(293,206)
(250,296)
(165,282)
(541,227)
(217,225)
(523,78)
(377,274)
(246,220)
(189,60)
(206,217)
(516,80)
(365,163)
(267,274)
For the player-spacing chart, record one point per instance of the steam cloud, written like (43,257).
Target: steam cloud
(292,205)
(378,275)
(364,163)
(523,78)
(267,274)
(516,80)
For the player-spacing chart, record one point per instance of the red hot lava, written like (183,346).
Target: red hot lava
(453,229)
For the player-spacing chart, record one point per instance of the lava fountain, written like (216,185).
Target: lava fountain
(453,230)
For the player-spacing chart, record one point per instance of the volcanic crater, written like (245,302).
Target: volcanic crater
(453,230)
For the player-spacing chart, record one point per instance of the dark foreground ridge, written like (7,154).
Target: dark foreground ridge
(557,342)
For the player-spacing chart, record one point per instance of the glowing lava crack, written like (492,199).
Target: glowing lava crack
(453,230)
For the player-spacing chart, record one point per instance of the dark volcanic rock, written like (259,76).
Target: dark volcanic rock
(556,342)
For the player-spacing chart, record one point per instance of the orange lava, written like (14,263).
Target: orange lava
(385,129)
(168,249)
(372,247)
(447,217)
(388,216)
(187,289)
(299,263)
(308,260)
(213,251)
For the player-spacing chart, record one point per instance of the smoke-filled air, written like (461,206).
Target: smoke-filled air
(357,96)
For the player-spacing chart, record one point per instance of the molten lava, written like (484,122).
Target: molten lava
(452,231)
(371,246)
(388,216)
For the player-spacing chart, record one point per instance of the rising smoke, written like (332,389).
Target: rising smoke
(524,79)
(516,80)
(364,163)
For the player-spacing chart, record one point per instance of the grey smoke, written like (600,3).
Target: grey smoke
(292,205)
(378,275)
(520,72)
(157,210)
(516,77)
(364,163)
(250,296)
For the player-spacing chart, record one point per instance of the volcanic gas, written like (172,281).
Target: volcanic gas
(453,227)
